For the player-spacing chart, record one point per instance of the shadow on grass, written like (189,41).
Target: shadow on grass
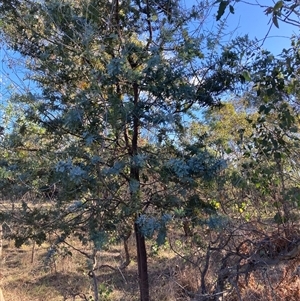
(56,286)
(67,285)
(165,279)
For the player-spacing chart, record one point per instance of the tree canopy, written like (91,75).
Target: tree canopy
(114,138)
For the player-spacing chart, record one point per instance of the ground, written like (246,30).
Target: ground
(176,270)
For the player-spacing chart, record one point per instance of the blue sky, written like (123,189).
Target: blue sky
(252,20)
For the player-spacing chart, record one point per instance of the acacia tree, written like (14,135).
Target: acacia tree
(286,11)
(114,80)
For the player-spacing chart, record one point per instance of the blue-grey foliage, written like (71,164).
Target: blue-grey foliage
(148,225)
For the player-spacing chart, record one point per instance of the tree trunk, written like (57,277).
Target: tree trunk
(33,251)
(1,276)
(136,198)
(1,241)
(1,295)
(142,264)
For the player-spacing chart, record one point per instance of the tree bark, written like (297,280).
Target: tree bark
(142,264)
(135,195)
(1,241)
(1,295)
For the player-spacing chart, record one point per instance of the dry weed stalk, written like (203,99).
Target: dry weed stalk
(246,261)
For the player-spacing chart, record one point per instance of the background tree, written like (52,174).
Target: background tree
(286,11)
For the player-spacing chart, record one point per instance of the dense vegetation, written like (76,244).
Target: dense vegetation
(138,120)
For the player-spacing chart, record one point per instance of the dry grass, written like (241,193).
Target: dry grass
(67,278)
(174,274)
(23,280)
